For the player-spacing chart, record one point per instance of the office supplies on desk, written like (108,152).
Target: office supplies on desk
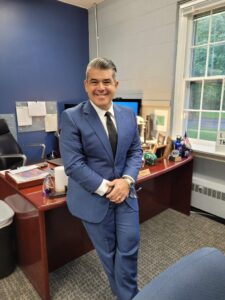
(53,195)
(48,185)
(56,161)
(26,176)
(42,165)
(144,173)
(61,180)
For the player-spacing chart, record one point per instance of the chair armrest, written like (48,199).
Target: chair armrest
(39,145)
(22,156)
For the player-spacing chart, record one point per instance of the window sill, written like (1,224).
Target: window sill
(208,153)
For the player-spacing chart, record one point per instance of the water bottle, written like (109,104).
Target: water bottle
(179,144)
(48,185)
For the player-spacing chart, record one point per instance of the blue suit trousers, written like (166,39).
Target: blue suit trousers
(116,240)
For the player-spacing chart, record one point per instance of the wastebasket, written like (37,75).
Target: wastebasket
(7,248)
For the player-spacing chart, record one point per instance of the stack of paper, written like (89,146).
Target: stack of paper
(27,173)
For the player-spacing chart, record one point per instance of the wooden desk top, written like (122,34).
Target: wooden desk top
(163,166)
(35,196)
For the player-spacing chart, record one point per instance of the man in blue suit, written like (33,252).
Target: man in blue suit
(102,156)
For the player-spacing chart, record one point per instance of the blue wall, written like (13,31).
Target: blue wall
(43,55)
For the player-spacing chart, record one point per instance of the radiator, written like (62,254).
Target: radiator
(208,196)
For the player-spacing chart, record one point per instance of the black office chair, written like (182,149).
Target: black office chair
(11,155)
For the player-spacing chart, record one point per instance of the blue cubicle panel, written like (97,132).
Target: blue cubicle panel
(43,55)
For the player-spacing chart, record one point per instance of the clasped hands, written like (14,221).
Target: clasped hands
(118,190)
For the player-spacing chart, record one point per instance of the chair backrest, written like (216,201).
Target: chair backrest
(198,276)
(8,145)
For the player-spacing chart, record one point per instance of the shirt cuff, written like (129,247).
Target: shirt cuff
(103,188)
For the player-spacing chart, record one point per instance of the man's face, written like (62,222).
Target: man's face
(101,87)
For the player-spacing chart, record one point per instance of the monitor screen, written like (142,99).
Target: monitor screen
(135,104)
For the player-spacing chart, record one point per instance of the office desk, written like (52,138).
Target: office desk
(167,186)
(48,236)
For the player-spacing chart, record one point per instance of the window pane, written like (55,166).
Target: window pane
(209,124)
(201,31)
(199,61)
(204,75)
(216,60)
(222,124)
(192,124)
(218,25)
(212,95)
(195,95)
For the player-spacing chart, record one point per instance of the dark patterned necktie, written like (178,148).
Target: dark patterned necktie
(112,132)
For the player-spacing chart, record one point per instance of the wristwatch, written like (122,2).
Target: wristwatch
(129,181)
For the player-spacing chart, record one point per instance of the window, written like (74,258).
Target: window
(199,105)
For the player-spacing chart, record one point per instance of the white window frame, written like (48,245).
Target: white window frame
(186,12)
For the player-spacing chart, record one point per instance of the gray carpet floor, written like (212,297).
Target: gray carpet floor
(164,239)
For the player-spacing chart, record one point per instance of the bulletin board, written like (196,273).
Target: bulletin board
(46,120)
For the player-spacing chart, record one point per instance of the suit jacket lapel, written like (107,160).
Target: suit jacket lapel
(96,124)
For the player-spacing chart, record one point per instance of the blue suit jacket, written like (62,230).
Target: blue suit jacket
(88,158)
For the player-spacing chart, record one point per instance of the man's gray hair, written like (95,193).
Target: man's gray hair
(101,64)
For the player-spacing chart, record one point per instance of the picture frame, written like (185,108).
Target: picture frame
(161,139)
(161,119)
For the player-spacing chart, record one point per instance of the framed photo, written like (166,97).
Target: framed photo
(161,139)
(161,120)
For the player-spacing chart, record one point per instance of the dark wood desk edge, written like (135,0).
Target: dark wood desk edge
(60,202)
(22,192)
(173,165)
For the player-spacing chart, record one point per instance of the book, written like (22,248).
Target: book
(26,176)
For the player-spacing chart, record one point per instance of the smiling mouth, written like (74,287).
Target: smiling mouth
(101,95)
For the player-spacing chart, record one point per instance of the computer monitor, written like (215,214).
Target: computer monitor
(135,104)
(69,105)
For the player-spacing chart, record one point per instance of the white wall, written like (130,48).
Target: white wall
(140,37)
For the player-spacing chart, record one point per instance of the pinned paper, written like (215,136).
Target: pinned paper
(23,118)
(51,122)
(36,108)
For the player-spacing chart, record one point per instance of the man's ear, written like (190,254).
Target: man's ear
(116,83)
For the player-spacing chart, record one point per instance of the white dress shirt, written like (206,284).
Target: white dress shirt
(103,188)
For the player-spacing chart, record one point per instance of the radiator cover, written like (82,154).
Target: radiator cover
(208,196)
